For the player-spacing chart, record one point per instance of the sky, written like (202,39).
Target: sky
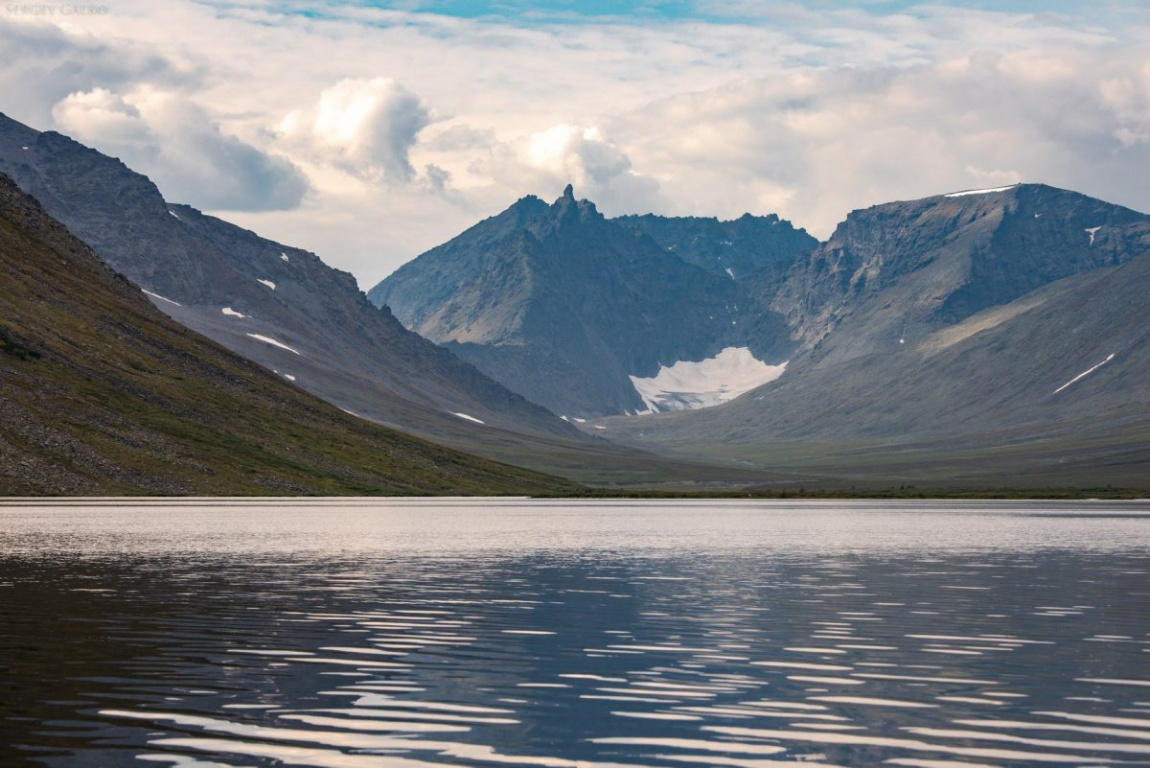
(369,131)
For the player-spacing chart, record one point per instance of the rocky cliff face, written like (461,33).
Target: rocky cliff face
(734,249)
(998,334)
(939,322)
(896,272)
(564,306)
(1046,390)
(277,305)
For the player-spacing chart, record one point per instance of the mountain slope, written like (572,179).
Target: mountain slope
(279,306)
(567,307)
(735,249)
(985,384)
(895,272)
(100,393)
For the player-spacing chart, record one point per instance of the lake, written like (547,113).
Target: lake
(349,633)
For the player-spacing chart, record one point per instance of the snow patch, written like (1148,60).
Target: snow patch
(273,342)
(284,256)
(232,313)
(964,193)
(173,213)
(688,385)
(268,283)
(468,418)
(24,148)
(161,298)
(289,377)
(730,273)
(1092,231)
(1084,374)
(599,426)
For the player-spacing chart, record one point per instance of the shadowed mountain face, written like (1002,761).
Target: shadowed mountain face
(565,306)
(735,249)
(101,393)
(284,309)
(945,324)
(1049,389)
(983,336)
(279,306)
(896,272)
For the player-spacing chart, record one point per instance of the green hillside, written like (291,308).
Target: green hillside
(100,393)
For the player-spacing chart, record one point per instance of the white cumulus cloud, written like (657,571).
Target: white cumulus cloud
(366,126)
(177,144)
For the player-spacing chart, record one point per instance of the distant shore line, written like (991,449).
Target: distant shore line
(902,493)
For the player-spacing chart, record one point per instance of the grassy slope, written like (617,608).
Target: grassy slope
(102,394)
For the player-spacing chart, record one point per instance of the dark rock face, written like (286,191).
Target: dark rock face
(100,393)
(895,272)
(947,330)
(732,249)
(326,335)
(943,321)
(563,305)
(1009,374)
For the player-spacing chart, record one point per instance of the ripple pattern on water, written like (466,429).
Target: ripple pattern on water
(317,652)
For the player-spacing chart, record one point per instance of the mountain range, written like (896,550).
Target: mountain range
(984,337)
(285,309)
(567,307)
(100,394)
(923,339)
(280,306)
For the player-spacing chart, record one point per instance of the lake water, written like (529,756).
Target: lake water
(561,634)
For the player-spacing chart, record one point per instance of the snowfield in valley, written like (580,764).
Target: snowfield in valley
(690,385)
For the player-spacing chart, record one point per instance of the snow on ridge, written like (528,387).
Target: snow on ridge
(232,313)
(1092,231)
(162,298)
(966,192)
(273,342)
(268,283)
(1084,374)
(689,385)
(468,418)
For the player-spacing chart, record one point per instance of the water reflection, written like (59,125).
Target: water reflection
(572,635)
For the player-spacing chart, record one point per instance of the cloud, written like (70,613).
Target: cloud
(587,158)
(805,108)
(367,127)
(178,145)
(41,64)
(813,145)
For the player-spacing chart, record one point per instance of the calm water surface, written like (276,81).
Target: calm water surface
(517,633)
